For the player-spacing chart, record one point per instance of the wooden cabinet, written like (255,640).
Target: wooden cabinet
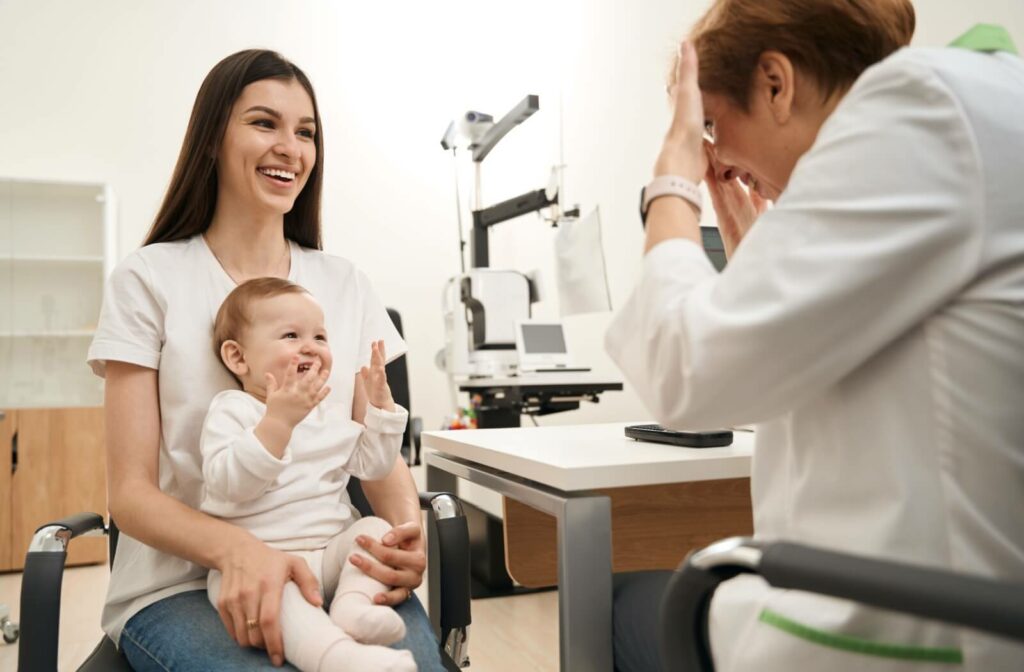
(56,249)
(52,464)
(8,429)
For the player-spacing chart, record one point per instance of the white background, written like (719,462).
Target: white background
(101,92)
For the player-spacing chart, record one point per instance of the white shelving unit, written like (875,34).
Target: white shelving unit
(56,249)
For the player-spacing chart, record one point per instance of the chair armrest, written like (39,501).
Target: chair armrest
(449,576)
(41,586)
(683,638)
(971,601)
(975,602)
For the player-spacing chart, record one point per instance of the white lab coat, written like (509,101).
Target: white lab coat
(872,325)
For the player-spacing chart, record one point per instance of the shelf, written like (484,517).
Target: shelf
(34,259)
(45,190)
(56,248)
(65,333)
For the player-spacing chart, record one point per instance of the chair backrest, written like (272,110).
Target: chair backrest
(398,379)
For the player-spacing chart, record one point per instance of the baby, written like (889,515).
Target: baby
(276,461)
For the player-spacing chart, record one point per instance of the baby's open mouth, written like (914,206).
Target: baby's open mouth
(305,367)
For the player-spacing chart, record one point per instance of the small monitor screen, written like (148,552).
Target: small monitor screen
(713,246)
(543,338)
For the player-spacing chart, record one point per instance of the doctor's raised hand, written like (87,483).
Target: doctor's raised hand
(682,152)
(682,157)
(737,206)
(685,152)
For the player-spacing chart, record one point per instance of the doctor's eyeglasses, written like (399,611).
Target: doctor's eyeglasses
(709,131)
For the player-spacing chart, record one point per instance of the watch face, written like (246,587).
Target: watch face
(643,213)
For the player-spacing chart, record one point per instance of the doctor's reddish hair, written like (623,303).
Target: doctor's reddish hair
(832,41)
(234,316)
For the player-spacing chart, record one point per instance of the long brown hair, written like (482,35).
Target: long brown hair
(192,195)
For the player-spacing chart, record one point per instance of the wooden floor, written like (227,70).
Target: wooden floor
(508,633)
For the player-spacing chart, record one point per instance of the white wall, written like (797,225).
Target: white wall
(101,91)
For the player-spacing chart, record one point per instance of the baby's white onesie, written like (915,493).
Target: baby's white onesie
(299,504)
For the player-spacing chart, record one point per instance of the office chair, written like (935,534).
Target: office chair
(448,575)
(982,604)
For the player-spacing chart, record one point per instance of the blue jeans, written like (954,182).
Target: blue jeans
(635,617)
(184,633)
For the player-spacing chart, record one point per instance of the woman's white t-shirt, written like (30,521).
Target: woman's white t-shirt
(158,312)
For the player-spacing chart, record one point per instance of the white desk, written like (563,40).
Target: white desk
(555,469)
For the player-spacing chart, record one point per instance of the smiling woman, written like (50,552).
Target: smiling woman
(223,103)
(243,203)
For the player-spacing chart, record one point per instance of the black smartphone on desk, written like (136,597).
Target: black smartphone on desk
(659,434)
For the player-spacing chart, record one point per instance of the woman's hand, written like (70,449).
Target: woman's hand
(403,559)
(736,207)
(250,594)
(682,152)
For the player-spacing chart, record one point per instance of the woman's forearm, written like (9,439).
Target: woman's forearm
(394,497)
(156,519)
(135,501)
(670,217)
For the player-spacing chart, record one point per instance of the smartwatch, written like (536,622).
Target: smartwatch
(669,185)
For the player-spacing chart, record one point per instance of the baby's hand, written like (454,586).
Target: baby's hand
(375,379)
(291,401)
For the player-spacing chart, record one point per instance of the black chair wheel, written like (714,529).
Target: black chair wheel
(11,631)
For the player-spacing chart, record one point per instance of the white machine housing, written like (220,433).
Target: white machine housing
(481,308)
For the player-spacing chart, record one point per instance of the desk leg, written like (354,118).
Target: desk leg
(585,584)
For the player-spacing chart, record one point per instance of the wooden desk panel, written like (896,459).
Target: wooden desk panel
(653,527)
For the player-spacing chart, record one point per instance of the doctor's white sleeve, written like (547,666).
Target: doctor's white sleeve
(379,444)
(236,466)
(881,226)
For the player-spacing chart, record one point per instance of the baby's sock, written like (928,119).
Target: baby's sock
(366,622)
(348,656)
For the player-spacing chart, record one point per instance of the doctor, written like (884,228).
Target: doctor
(871,323)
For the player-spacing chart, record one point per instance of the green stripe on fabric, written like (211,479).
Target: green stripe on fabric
(986,37)
(861,646)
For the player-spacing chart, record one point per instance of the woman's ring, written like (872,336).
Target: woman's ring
(252,624)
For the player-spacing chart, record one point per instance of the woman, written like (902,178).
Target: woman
(244,202)
(869,323)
